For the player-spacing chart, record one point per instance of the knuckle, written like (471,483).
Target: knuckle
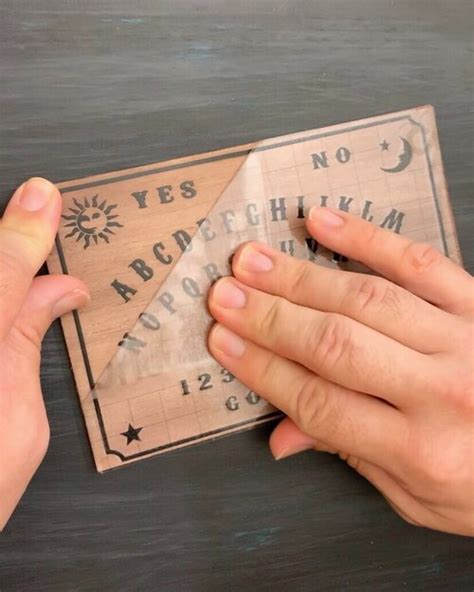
(314,407)
(459,391)
(332,342)
(269,322)
(301,278)
(440,474)
(36,238)
(13,274)
(263,378)
(12,268)
(372,237)
(309,406)
(423,465)
(420,257)
(369,294)
(438,464)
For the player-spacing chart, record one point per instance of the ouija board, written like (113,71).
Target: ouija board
(149,241)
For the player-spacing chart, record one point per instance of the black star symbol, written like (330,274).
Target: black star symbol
(384,145)
(132,433)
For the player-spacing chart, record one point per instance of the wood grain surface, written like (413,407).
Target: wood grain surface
(88,87)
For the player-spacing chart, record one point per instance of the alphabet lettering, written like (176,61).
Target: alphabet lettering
(204,225)
(157,251)
(149,321)
(190,287)
(393,220)
(365,212)
(125,291)
(143,270)
(187,189)
(344,203)
(183,240)
(131,343)
(140,196)
(231,403)
(278,211)
(288,246)
(320,160)
(164,194)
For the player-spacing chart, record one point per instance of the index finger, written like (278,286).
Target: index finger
(419,268)
(27,232)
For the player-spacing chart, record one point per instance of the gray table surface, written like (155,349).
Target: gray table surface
(89,87)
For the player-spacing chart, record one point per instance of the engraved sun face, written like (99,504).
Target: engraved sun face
(91,221)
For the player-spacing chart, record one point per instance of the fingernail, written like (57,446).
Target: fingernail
(286,452)
(252,260)
(227,342)
(228,295)
(326,217)
(69,302)
(35,194)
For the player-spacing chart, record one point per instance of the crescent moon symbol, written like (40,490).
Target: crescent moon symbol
(404,158)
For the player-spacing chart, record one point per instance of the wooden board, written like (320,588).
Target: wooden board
(150,240)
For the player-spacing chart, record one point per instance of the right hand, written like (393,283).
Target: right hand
(379,371)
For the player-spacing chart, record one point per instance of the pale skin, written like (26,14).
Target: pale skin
(378,370)
(28,305)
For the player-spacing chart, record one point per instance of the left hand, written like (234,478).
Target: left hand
(28,305)
(379,371)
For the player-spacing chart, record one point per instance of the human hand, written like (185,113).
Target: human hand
(379,371)
(28,305)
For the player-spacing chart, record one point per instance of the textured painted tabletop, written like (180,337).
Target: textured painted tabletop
(89,87)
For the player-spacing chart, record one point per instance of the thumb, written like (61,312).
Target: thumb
(27,232)
(287,439)
(50,297)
